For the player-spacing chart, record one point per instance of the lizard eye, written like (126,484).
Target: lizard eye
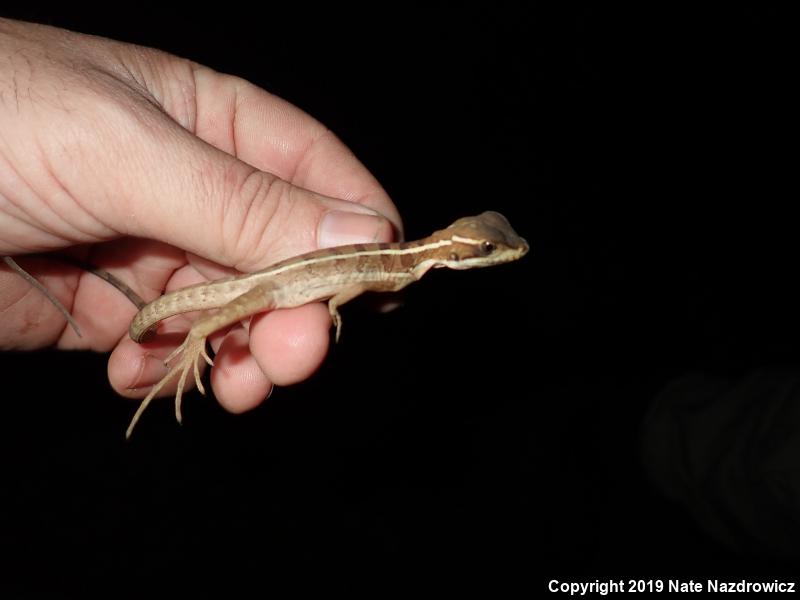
(487,247)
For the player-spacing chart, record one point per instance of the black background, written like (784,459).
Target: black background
(485,434)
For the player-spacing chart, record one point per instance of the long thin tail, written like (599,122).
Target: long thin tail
(35,283)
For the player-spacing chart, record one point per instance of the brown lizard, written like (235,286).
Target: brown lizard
(334,274)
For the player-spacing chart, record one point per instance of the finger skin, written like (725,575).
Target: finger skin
(283,347)
(291,344)
(238,381)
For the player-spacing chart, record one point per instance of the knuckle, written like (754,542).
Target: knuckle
(252,215)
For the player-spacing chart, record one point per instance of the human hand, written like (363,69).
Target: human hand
(164,173)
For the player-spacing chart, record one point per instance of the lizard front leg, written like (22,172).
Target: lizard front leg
(258,299)
(356,289)
(345,295)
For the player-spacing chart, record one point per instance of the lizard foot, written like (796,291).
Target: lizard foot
(189,353)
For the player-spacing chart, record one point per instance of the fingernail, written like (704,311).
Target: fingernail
(150,369)
(338,228)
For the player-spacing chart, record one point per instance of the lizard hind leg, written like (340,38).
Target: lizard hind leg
(188,355)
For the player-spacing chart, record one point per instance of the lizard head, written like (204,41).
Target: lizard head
(481,241)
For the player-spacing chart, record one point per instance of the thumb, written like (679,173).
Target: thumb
(233,214)
(180,190)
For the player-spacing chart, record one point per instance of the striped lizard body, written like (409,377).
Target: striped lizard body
(335,274)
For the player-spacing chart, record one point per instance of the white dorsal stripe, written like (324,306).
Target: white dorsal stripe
(466,240)
(334,256)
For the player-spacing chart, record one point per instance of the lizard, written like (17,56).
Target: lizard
(336,275)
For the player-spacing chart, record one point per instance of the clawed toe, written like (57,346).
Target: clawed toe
(190,352)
